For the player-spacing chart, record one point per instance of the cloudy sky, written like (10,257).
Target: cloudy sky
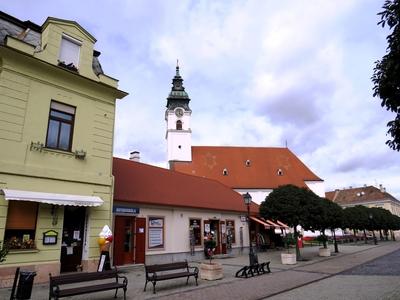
(259,73)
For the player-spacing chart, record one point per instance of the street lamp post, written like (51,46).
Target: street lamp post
(252,255)
(371,217)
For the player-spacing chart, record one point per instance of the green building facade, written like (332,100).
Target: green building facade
(57,111)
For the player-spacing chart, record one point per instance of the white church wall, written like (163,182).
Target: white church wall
(318,187)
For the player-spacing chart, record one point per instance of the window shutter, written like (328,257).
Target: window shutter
(22,215)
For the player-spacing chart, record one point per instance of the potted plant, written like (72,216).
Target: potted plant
(323,251)
(3,252)
(210,270)
(289,257)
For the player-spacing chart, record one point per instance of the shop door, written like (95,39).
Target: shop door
(215,233)
(72,238)
(124,240)
(140,241)
(223,236)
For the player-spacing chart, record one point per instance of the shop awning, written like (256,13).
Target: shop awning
(260,222)
(283,225)
(50,198)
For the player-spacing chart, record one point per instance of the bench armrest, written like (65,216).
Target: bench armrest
(125,280)
(195,269)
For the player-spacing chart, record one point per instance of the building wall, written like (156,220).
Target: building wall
(176,230)
(28,84)
(318,187)
(258,196)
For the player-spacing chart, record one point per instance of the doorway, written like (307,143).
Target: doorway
(129,240)
(217,229)
(72,238)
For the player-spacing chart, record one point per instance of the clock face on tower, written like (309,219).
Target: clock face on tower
(179,112)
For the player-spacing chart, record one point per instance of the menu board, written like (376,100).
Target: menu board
(156,232)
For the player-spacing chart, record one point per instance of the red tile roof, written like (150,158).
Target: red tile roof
(358,195)
(141,183)
(247,167)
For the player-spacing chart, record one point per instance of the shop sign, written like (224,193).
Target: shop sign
(125,210)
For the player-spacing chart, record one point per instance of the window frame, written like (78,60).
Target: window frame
(179,125)
(58,119)
(19,233)
(162,245)
(74,41)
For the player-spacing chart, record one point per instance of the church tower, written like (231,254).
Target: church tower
(177,116)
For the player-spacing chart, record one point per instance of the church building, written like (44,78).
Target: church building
(256,170)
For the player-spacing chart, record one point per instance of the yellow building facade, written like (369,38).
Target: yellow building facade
(57,111)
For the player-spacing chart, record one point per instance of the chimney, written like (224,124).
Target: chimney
(382,188)
(135,156)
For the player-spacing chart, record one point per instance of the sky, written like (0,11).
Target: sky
(260,73)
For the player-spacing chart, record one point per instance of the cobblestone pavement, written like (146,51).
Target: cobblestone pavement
(376,279)
(329,274)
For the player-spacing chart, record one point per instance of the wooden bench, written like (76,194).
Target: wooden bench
(161,272)
(67,285)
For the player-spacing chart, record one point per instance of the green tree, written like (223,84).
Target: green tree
(290,204)
(3,252)
(386,76)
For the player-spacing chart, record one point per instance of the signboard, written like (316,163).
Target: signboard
(50,237)
(125,210)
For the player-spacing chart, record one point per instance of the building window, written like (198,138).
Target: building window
(21,224)
(69,52)
(225,172)
(60,127)
(279,172)
(195,227)
(230,230)
(179,125)
(156,232)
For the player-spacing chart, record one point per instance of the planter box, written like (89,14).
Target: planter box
(288,258)
(324,252)
(211,271)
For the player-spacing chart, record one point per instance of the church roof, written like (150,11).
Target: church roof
(141,183)
(178,97)
(247,167)
(359,195)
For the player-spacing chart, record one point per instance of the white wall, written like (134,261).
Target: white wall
(258,196)
(318,187)
(179,142)
(176,227)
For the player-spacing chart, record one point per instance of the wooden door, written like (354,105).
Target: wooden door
(124,240)
(72,238)
(140,240)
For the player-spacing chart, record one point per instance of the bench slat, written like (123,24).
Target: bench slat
(90,276)
(89,289)
(166,267)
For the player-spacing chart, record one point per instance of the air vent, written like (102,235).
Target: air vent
(248,163)
(279,172)
(225,172)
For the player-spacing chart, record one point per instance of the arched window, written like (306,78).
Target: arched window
(179,125)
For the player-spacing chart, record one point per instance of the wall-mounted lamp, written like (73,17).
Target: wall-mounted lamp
(54,214)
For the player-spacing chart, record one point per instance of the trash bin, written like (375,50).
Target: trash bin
(25,284)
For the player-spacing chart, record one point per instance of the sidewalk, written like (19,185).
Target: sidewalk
(282,278)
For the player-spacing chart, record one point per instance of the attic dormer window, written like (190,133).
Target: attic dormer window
(69,52)
(248,163)
(225,172)
(279,172)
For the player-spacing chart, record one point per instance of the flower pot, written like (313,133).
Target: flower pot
(288,258)
(211,271)
(324,252)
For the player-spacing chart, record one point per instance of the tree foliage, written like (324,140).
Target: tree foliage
(386,76)
(292,205)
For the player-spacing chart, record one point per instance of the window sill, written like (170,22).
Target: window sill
(58,151)
(22,251)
